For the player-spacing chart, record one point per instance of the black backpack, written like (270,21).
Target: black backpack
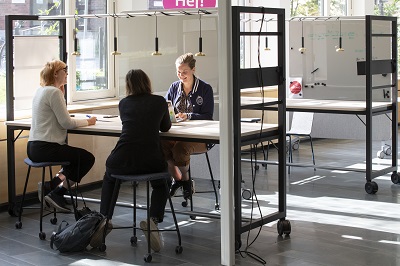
(76,237)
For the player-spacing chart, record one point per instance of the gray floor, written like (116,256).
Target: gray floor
(333,221)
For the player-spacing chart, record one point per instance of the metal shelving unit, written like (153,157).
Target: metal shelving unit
(249,78)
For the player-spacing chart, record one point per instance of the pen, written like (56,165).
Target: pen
(88,116)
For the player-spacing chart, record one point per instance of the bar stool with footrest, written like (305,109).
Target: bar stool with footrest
(136,179)
(43,165)
(216,205)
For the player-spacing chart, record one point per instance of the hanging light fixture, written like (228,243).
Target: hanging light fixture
(156,52)
(340,48)
(115,52)
(302,49)
(200,53)
(266,38)
(75,52)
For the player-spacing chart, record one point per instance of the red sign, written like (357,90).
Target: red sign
(171,4)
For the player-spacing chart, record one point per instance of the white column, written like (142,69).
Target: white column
(226,131)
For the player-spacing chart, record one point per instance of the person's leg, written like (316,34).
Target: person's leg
(159,197)
(181,155)
(107,191)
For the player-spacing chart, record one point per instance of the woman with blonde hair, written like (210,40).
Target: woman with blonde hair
(48,133)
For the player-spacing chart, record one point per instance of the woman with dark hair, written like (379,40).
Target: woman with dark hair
(138,149)
(48,133)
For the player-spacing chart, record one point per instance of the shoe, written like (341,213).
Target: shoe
(47,189)
(187,187)
(176,185)
(155,240)
(97,238)
(56,201)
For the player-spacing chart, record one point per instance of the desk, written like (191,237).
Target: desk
(342,107)
(194,130)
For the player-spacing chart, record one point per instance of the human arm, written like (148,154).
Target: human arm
(203,103)
(165,124)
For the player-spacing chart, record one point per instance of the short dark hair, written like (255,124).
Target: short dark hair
(137,82)
(186,59)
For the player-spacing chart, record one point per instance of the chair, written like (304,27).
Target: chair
(301,127)
(136,179)
(43,165)
(216,205)
(256,120)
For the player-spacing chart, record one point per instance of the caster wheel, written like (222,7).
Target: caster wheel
(148,258)
(42,235)
(184,204)
(133,239)
(371,187)
(103,247)
(387,150)
(380,154)
(193,217)
(256,167)
(284,227)
(178,249)
(395,178)
(53,220)
(295,146)
(216,207)
(18,225)
(246,194)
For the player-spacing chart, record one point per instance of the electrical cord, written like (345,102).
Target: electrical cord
(253,149)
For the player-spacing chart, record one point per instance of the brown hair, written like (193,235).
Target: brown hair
(186,59)
(48,71)
(137,82)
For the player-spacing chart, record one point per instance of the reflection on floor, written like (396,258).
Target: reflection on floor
(333,220)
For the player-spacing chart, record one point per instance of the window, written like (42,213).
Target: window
(318,8)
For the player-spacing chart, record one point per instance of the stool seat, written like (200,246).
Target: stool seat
(143,177)
(43,164)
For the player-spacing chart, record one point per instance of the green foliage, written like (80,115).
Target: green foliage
(391,8)
(304,8)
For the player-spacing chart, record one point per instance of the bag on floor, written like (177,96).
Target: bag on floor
(76,237)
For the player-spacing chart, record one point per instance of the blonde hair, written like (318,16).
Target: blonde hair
(186,59)
(47,73)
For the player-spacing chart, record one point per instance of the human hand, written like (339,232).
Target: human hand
(182,116)
(92,120)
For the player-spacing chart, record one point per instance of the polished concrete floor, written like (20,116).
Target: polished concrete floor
(333,220)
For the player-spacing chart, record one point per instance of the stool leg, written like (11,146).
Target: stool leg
(148,217)
(173,215)
(54,221)
(134,211)
(72,199)
(42,235)
(19,224)
(213,183)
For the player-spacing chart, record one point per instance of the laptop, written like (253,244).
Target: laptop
(172,113)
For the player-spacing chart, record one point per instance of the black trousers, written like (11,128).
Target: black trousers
(159,197)
(81,161)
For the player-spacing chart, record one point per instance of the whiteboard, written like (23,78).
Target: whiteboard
(328,74)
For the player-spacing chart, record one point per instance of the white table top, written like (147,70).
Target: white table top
(318,105)
(193,129)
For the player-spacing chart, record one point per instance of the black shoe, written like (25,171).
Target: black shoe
(188,188)
(174,188)
(47,189)
(56,201)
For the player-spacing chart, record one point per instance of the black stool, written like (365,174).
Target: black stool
(216,205)
(43,165)
(143,178)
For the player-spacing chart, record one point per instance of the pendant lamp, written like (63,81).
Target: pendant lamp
(200,53)
(115,52)
(156,52)
(75,52)
(340,48)
(302,49)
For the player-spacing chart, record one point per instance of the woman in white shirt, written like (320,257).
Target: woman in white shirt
(47,137)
